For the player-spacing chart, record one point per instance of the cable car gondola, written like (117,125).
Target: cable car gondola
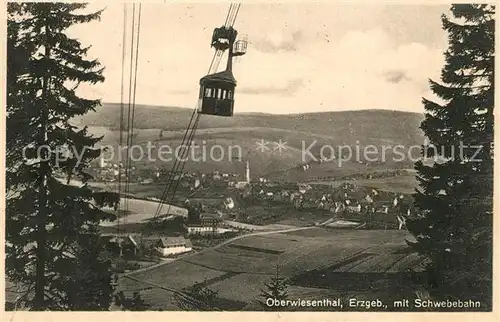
(217,94)
(217,90)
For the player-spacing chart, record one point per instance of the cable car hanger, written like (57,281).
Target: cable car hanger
(216,96)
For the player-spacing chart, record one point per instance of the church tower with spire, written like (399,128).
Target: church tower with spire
(247,172)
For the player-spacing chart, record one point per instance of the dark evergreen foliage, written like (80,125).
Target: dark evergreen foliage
(53,246)
(276,289)
(454,225)
(135,303)
(198,298)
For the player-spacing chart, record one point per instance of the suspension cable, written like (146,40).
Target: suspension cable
(131,137)
(184,163)
(233,12)
(236,14)
(229,12)
(191,130)
(213,65)
(130,110)
(122,106)
(127,161)
(172,172)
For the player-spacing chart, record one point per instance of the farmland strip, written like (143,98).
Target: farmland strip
(255,249)
(353,262)
(395,263)
(229,270)
(219,279)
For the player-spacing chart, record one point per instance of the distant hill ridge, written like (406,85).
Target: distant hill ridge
(368,127)
(369,122)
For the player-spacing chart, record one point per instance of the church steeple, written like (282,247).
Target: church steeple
(247,172)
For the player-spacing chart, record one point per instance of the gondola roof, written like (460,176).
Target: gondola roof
(225,76)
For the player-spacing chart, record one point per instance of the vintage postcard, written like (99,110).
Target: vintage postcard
(271,157)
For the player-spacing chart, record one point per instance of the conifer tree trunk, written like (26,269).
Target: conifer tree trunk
(42,205)
(54,252)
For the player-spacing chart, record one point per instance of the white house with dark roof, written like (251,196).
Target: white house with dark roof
(170,245)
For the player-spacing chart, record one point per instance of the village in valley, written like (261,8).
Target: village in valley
(344,192)
(216,213)
(215,207)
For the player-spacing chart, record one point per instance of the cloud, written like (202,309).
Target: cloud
(362,69)
(275,43)
(291,87)
(328,66)
(396,76)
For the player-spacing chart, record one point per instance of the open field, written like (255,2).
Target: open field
(315,260)
(280,213)
(402,184)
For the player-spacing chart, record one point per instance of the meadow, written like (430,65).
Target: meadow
(314,260)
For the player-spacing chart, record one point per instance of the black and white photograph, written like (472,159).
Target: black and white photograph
(249,156)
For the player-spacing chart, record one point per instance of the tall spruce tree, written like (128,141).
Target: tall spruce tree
(53,248)
(454,226)
(276,289)
(198,297)
(135,303)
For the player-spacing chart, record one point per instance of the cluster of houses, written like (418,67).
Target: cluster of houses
(161,246)
(197,224)
(364,175)
(111,171)
(195,180)
(346,198)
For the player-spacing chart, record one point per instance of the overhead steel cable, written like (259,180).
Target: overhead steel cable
(122,106)
(194,116)
(134,91)
(214,65)
(234,11)
(228,14)
(172,172)
(134,46)
(190,132)
(235,14)
(184,163)
(129,110)
(175,166)
(232,18)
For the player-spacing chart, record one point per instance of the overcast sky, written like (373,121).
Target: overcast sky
(302,57)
